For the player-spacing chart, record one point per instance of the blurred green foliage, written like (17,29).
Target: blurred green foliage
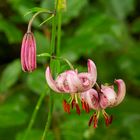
(105,31)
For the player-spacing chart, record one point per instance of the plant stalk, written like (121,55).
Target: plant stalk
(34,115)
(53,51)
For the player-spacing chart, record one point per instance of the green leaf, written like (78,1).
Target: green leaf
(13,34)
(36,81)
(75,128)
(131,122)
(120,8)
(10,75)
(73,8)
(35,134)
(42,42)
(98,31)
(44,55)
(18,100)
(136,26)
(38,9)
(11,115)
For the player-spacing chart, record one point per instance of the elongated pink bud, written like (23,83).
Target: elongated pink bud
(121,91)
(28,53)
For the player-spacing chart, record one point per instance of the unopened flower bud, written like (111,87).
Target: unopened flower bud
(28,52)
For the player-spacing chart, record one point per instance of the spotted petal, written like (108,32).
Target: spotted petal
(107,96)
(91,97)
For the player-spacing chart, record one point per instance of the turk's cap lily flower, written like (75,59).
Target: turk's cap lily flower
(71,81)
(28,53)
(106,97)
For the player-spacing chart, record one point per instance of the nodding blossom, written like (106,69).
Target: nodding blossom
(28,52)
(102,98)
(73,83)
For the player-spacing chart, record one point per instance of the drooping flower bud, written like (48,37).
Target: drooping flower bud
(28,53)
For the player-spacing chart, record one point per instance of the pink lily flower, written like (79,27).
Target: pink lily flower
(28,53)
(105,97)
(73,82)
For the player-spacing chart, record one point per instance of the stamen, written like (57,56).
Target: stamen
(65,105)
(73,103)
(83,104)
(90,120)
(111,119)
(108,119)
(77,109)
(95,119)
(68,108)
(87,108)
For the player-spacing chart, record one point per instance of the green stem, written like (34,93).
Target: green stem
(52,52)
(52,48)
(49,119)
(33,17)
(55,57)
(34,115)
(59,15)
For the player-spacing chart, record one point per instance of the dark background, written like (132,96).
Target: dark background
(108,32)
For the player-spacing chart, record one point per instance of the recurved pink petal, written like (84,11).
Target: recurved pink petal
(92,70)
(121,91)
(50,81)
(91,98)
(60,80)
(86,81)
